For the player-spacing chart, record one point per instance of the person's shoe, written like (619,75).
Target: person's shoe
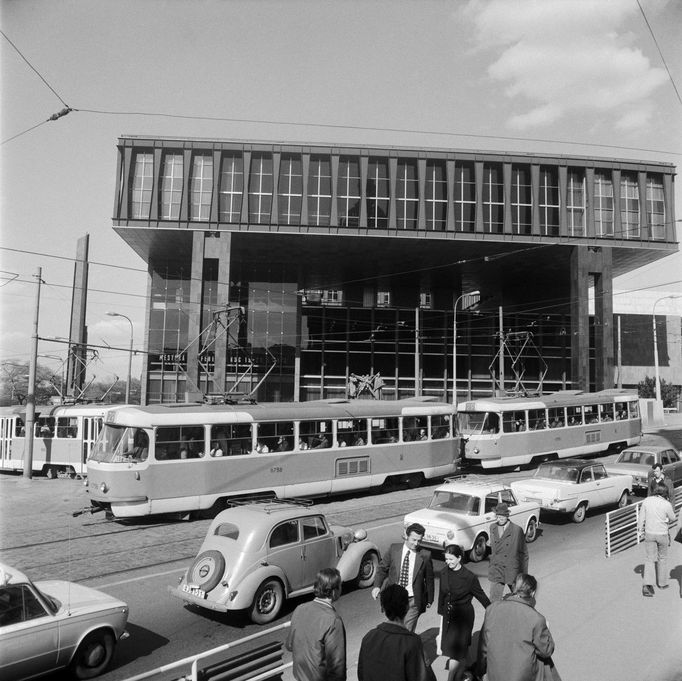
(647,590)
(664,587)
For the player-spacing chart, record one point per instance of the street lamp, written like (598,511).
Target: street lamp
(454,342)
(130,356)
(658,378)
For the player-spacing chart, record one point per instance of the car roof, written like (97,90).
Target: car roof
(472,486)
(10,575)
(278,508)
(649,449)
(573,463)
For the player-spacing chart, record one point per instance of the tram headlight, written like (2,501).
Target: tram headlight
(103,488)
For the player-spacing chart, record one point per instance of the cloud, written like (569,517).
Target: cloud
(557,58)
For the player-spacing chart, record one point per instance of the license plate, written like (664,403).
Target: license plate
(199,593)
(432,538)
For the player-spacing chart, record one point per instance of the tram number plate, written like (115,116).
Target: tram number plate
(199,593)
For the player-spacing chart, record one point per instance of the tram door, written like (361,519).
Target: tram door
(6,433)
(91,427)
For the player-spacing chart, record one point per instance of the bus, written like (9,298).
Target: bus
(513,431)
(63,436)
(185,458)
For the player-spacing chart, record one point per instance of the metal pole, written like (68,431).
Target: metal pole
(31,397)
(130,352)
(619,383)
(417,369)
(454,352)
(501,359)
(656,373)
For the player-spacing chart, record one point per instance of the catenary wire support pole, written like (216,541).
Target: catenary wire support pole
(454,341)
(31,397)
(130,353)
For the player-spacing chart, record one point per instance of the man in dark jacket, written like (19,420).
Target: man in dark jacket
(404,564)
(508,552)
(657,476)
(391,651)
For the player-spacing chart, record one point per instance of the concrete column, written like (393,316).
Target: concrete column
(580,330)
(603,312)
(194,309)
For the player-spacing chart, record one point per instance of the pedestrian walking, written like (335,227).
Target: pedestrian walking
(317,637)
(654,515)
(658,476)
(508,552)
(412,568)
(515,643)
(458,586)
(390,652)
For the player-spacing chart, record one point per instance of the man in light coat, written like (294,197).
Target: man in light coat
(515,642)
(508,552)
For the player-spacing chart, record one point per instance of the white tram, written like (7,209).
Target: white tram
(181,458)
(513,431)
(62,438)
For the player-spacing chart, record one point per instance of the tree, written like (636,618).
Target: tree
(669,393)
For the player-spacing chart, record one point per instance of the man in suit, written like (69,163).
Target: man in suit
(508,553)
(406,565)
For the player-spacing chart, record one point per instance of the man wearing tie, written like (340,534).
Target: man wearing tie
(406,565)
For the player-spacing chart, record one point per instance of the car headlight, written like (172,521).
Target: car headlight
(450,534)
(360,535)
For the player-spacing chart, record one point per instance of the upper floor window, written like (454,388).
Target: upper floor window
(603,203)
(436,199)
(290,189)
(655,207)
(260,189)
(201,187)
(548,203)
(521,205)
(319,191)
(407,195)
(348,192)
(629,205)
(575,202)
(143,181)
(383,298)
(493,198)
(231,187)
(465,197)
(171,186)
(377,194)
(425,300)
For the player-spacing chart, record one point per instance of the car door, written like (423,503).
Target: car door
(608,488)
(319,547)
(587,487)
(286,552)
(29,634)
(672,465)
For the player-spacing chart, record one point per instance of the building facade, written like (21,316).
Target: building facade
(287,271)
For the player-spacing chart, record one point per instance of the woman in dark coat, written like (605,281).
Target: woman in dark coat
(458,586)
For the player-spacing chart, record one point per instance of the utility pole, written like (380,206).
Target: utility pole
(417,368)
(31,397)
(501,358)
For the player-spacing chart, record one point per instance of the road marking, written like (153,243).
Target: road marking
(137,579)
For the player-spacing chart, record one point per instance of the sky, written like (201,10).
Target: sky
(595,77)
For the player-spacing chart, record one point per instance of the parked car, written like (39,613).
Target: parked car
(256,555)
(637,461)
(574,485)
(49,625)
(461,511)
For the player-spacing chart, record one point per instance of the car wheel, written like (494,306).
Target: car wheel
(479,549)
(624,499)
(267,602)
(580,513)
(368,570)
(531,531)
(93,655)
(207,570)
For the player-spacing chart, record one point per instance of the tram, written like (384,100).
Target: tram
(62,438)
(513,431)
(184,458)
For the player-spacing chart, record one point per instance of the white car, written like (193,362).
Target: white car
(574,485)
(50,625)
(462,511)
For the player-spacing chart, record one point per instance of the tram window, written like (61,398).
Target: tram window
(634,409)
(415,428)
(19,428)
(67,426)
(286,533)
(44,427)
(621,411)
(351,432)
(315,434)
(440,426)
(556,417)
(233,439)
(536,419)
(277,436)
(520,421)
(183,442)
(575,416)
(606,412)
(470,422)
(384,430)
(591,413)
(508,422)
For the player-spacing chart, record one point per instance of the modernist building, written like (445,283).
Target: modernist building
(285,269)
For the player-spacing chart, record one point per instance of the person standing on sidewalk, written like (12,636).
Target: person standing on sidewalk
(657,476)
(508,552)
(317,637)
(410,567)
(654,515)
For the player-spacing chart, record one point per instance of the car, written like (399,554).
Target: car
(53,624)
(461,511)
(574,485)
(637,461)
(257,554)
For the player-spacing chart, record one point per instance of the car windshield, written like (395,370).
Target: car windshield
(455,501)
(119,444)
(52,603)
(644,458)
(549,471)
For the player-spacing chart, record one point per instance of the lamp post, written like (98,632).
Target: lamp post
(454,342)
(130,355)
(656,373)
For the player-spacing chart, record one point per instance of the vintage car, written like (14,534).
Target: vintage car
(574,485)
(257,554)
(637,462)
(49,625)
(461,511)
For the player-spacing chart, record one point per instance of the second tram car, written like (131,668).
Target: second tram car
(513,431)
(182,458)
